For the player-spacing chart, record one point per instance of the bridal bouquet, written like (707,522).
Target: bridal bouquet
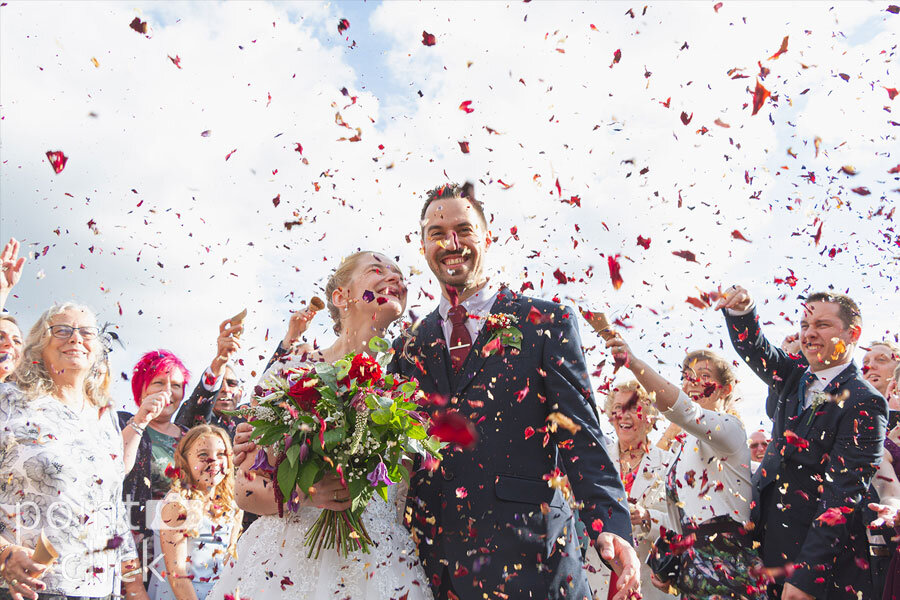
(348,419)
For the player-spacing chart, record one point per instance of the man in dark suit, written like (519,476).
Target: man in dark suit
(828,432)
(493,520)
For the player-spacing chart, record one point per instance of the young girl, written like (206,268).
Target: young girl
(200,520)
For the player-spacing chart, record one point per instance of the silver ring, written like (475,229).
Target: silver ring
(14,582)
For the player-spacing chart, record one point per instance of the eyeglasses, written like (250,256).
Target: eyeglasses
(64,332)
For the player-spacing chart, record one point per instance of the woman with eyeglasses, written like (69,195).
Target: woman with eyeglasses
(708,483)
(61,467)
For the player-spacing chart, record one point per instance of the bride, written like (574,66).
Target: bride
(366,293)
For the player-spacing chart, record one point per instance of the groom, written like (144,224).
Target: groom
(493,520)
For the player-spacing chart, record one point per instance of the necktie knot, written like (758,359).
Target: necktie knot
(458,315)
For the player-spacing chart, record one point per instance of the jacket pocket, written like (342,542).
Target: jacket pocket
(513,488)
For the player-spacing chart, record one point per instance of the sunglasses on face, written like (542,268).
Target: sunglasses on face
(64,332)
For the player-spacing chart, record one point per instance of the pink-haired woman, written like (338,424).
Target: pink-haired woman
(149,436)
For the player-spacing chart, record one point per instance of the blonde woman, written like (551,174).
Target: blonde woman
(365,294)
(61,465)
(642,468)
(200,517)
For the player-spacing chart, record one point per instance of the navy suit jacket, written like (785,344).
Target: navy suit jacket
(798,490)
(487,517)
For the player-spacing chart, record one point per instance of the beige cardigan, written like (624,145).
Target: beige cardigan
(713,470)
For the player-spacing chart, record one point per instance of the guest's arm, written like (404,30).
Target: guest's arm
(722,431)
(592,475)
(198,409)
(133,429)
(10,269)
(297,326)
(770,363)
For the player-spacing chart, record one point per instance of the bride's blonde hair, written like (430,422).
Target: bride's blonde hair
(341,278)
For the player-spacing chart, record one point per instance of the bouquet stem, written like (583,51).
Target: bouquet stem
(342,531)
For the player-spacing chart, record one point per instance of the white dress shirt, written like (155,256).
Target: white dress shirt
(823,378)
(478,306)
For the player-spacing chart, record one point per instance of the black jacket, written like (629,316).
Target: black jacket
(487,514)
(799,490)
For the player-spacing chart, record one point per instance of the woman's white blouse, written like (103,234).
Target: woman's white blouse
(62,473)
(711,467)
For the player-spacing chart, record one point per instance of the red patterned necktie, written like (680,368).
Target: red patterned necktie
(460,340)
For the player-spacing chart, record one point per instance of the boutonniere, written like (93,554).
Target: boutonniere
(504,333)
(820,398)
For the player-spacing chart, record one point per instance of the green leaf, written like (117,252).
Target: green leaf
(417,432)
(273,434)
(382,491)
(308,473)
(382,416)
(342,368)
(287,477)
(293,452)
(377,344)
(333,437)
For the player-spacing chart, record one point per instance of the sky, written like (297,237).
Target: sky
(587,125)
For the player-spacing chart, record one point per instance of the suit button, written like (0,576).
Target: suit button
(447,474)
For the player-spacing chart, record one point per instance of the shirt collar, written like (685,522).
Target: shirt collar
(826,376)
(478,303)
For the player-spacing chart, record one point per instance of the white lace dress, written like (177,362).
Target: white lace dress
(272,562)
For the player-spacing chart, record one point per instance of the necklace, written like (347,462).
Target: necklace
(630,465)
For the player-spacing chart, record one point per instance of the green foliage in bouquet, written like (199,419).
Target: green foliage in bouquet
(348,419)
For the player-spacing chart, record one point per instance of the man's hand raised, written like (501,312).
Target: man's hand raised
(735,298)
(623,559)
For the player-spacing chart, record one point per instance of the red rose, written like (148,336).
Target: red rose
(364,370)
(305,394)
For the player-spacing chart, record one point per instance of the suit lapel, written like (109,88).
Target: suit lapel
(434,351)
(476,358)
(808,416)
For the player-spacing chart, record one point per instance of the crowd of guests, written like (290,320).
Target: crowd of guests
(806,510)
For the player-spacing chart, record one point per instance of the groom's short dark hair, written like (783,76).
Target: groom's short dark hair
(452,190)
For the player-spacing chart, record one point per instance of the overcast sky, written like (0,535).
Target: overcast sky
(163,219)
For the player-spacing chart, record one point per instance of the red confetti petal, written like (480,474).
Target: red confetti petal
(739,236)
(139,26)
(465,106)
(643,242)
(685,118)
(782,50)
(686,255)
(614,271)
(343,25)
(464,146)
(617,56)
(453,428)
(57,160)
(862,191)
(427,39)
(597,525)
(759,97)
(795,440)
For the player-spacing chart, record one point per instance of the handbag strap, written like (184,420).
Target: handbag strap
(672,486)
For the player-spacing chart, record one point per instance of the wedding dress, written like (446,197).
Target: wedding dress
(272,563)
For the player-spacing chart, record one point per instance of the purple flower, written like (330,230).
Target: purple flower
(304,452)
(262,462)
(379,475)
(293,503)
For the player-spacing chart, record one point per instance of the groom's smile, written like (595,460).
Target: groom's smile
(454,240)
